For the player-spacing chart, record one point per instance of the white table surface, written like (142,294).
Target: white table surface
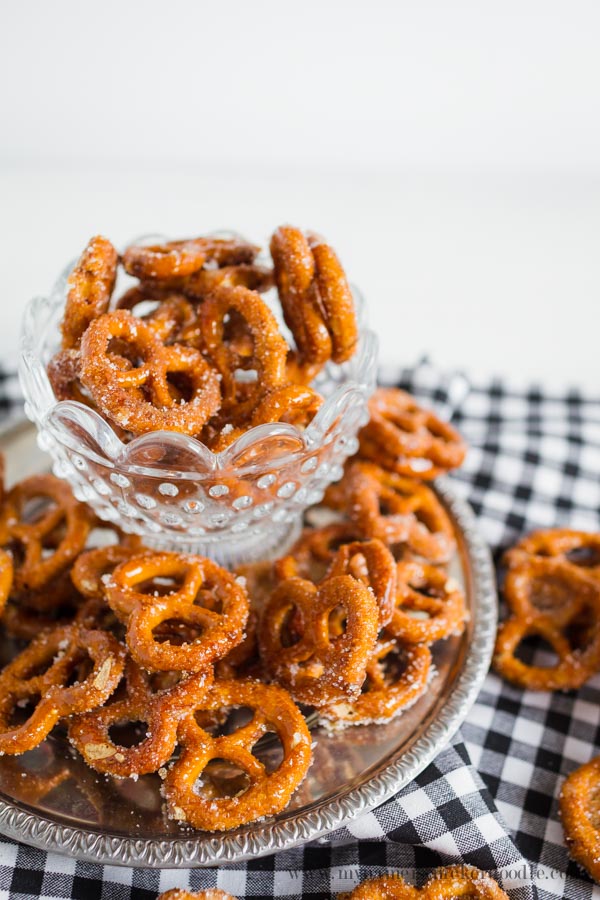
(494,273)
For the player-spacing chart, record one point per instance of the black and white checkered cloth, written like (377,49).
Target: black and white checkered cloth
(490,799)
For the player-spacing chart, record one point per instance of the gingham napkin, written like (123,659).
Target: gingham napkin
(490,799)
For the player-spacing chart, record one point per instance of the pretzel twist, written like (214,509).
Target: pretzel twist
(90,286)
(207,603)
(261,792)
(316,666)
(160,710)
(43,672)
(144,397)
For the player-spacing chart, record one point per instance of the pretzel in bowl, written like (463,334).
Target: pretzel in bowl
(146,385)
(90,286)
(429,605)
(159,710)
(580,816)
(154,591)
(218,783)
(296,641)
(38,683)
(46,528)
(174,259)
(224,308)
(398,511)
(200,284)
(405,438)
(317,302)
(397,675)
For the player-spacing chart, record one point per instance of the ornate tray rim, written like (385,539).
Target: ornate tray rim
(272,836)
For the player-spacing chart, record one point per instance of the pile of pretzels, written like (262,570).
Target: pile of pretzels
(108,634)
(192,347)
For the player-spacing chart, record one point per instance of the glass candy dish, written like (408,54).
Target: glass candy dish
(235,506)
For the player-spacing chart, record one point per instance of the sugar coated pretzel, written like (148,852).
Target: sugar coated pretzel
(435,598)
(313,552)
(181,258)
(580,814)
(144,397)
(577,550)
(92,568)
(316,666)
(373,564)
(540,585)
(269,349)
(386,887)
(160,710)
(574,666)
(398,510)
(397,675)
(208,601)
(90,286)
(41,675)
(50,537)
(262,792)
(406,438)
(296,404)
(317,302)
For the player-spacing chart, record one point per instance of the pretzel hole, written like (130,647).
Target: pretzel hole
(176,632)
(82,667)
(226,721)
(22,711)
(289,632)
(181,386)
(222,779)
(386,670)
(35,508)
(581,630)
(338,621)
(586,557)
(124,353)
(128,734)
(160,586)
(533,649)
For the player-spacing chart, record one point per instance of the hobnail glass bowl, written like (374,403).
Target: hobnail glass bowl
(239,505)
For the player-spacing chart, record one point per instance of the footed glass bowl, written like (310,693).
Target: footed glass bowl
(235,506)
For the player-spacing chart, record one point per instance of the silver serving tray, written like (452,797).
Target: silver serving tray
(50,799)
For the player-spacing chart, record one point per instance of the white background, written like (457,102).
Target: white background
(449,151)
